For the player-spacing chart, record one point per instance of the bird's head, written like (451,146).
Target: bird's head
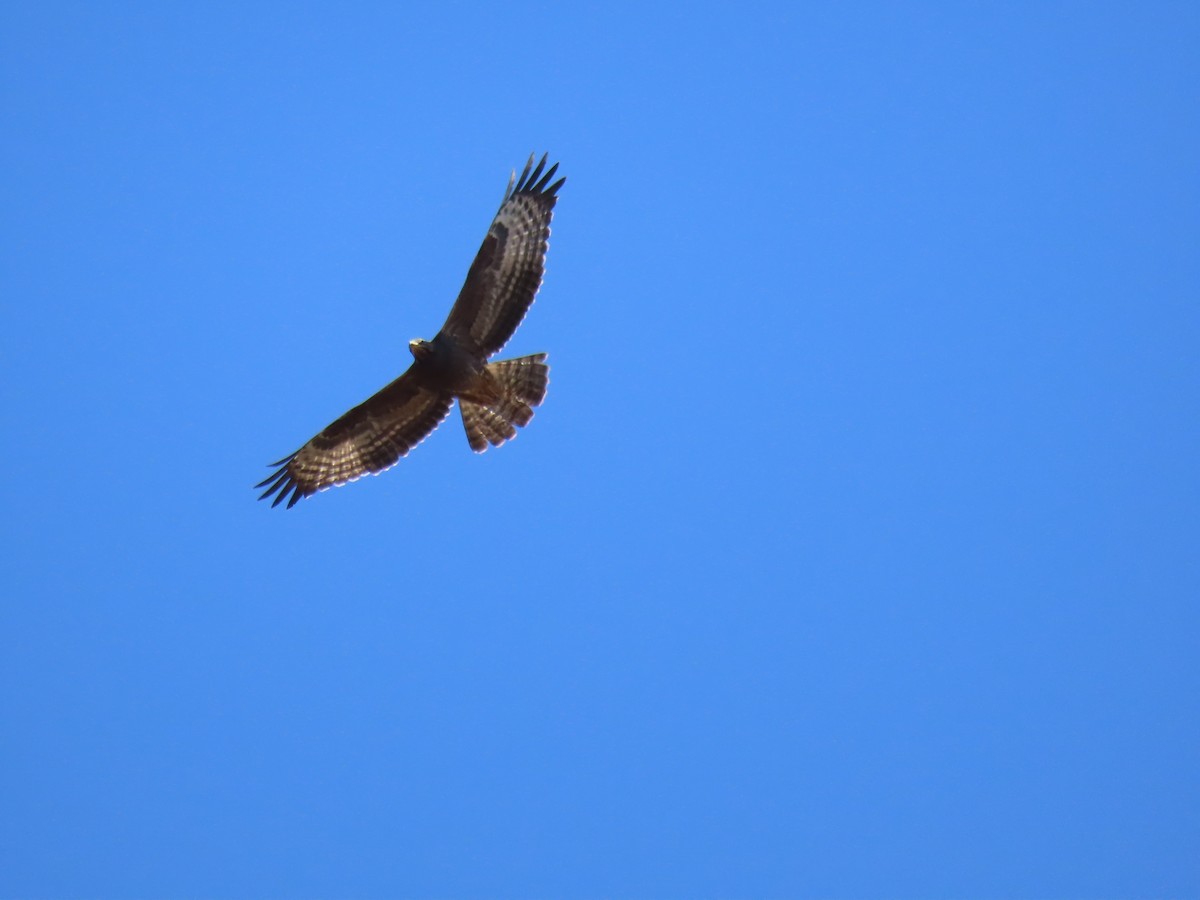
(420,349)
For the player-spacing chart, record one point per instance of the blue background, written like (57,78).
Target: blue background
(853,553)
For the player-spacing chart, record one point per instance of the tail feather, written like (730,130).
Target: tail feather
(484,427)
(523,384)
(524,379)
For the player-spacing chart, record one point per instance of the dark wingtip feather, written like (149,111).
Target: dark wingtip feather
(541,185)
(272,477)
(278,482)
(281,483)
(528,178)
(524,174)
(289,487)
(533,180)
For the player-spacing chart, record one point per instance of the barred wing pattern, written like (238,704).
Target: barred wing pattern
(366,440)
(507,271)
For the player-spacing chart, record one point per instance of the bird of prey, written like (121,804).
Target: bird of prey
(494,397)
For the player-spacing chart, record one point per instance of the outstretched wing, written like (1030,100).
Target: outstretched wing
(368,439)
(507,270)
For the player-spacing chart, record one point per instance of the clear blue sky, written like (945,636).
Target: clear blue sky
(854,553)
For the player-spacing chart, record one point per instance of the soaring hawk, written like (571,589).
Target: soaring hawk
(494,398)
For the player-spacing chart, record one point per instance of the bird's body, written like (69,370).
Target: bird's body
(495,398)
(447,364)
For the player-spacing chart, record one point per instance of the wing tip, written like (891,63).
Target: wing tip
(534,179)
(281,483)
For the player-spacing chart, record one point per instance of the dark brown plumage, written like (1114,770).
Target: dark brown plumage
(494,398)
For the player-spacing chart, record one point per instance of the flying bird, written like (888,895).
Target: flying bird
(494,397)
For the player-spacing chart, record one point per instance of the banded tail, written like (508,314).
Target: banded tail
(522,384)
